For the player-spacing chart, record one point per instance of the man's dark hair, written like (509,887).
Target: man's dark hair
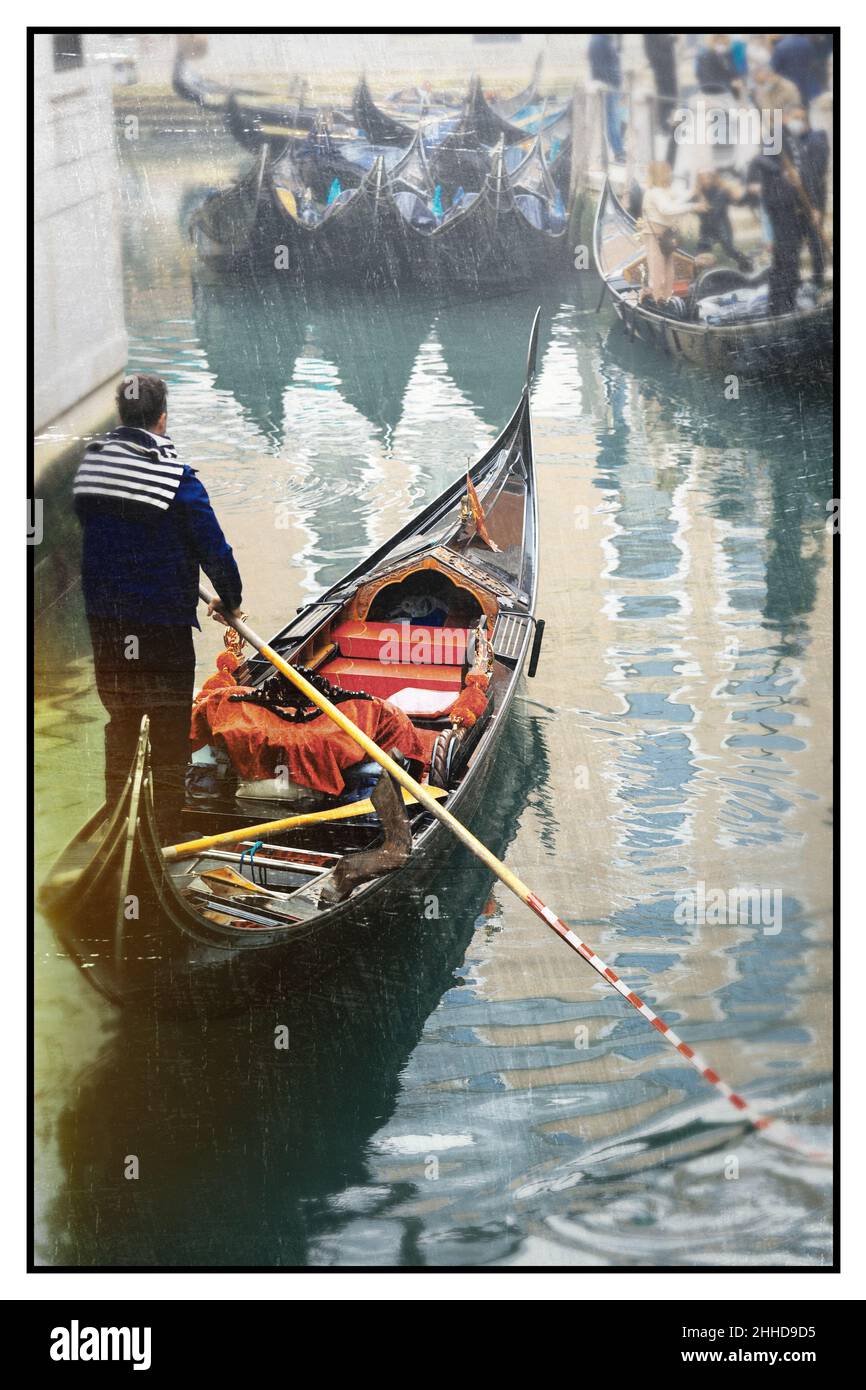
(141,400)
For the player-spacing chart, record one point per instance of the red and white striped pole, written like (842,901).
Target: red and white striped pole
(781,1132)
(502,872)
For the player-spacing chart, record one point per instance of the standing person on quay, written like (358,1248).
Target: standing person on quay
(604,66)
(802,58)
(714,67)
(771,92)
(661,52)
(148,526)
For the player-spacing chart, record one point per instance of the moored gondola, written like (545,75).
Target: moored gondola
(254,120)
(189,85)
(527,96)
(251,116)
(486,124)
(306,217)
(495,233)
(450,215)
(456,588)
(225,228)
(377,126)
(754,342)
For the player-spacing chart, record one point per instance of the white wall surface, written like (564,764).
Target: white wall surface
(80,337)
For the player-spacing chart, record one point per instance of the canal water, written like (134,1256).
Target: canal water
(468,1092)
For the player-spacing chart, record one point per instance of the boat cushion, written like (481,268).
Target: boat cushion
(383,678)
(396,640)
(533,209)
(415,210)
(423,704)
(725,278)
(287,198)
(274,789)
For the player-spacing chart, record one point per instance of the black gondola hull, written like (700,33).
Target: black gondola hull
(168,959)
(769,346)
(485,249)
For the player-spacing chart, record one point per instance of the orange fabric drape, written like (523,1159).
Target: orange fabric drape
(315,754)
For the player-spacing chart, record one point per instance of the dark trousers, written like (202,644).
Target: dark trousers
(784,278)
(146,668)
(816,248)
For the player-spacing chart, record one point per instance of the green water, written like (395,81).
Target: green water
(466,1091)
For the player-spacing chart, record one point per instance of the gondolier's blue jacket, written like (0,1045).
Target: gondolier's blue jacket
(147,570)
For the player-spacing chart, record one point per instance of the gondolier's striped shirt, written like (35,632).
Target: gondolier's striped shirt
(130,465)
(148,529)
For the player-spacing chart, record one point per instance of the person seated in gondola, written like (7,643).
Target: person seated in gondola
(148,526)
(714,222)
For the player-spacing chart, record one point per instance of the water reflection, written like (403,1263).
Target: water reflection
(225,1122)
(468,1094)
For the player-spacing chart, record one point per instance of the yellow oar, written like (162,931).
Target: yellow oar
(273,827)
(425,797)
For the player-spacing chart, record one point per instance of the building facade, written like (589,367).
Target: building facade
(80,335)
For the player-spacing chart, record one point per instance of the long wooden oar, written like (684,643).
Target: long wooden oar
(504,874)
(274,827)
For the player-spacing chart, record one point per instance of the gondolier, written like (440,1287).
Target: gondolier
(148,529)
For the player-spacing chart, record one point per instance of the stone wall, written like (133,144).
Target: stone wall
(80,336)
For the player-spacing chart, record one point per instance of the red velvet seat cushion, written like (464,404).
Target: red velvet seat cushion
(383,678)
(412,642)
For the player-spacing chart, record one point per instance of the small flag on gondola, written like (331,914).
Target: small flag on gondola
(478,515)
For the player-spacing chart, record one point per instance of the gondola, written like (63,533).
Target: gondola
(351,1037)
(488,126)
(774,345)
(255,121)
(526,97)
(494,234)
(323,156)
(450,216)
(222,925)
(305,218)
(533,178)
(252,117)
(225,228)
(377,125)
(189,85)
